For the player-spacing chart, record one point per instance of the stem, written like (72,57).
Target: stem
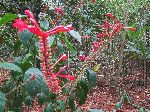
(122,44)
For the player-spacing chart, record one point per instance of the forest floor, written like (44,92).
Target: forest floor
(105,98)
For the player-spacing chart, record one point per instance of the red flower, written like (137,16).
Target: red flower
(82,57)
(96,46)
(63,57)
(50,78)
(58,10)
(20,25)
(86,37)
(70,77)
(29,14)
(130,28)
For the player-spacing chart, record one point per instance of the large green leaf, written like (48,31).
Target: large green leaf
(70,46)
(51,40)
(44,24)
(76,35)
(10,66)
(60,47)
(91,75)
(28,101)
(49,108)
(7,17)
(60,105)
(25,36)
(33,87)
(81,91)
(71,102)
(41,98)
(2,101)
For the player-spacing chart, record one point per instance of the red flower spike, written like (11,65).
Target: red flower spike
(50,77)
(29,14)
(71,78)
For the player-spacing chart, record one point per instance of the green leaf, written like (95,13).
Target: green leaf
(91,75)
(2,101)
(70,46)
(49,108)
(25,36)
(76,35)
(61,105)
(41,98)
(95,110)
(7,17)
(71,102)
(60,47)
(118,105)
(28,101)
(33,87)
(51,40)
(10,66)
(141,109)
(44,24)
(81,91)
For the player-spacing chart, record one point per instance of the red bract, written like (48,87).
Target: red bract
(130,28)
(58,10)
(71,78)
(20,25)
(29,14)
(50,77)
(109,30)
(82,57)
(96,46)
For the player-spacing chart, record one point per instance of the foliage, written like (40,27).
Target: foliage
(51,61)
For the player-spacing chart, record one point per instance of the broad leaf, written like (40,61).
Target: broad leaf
(7,17)
(91,75)
(60,105)
(81,91)
(2,101)
(44,24)
(70,46)
(41,98)
(51,40)
(49,108)
(33,87)
(71,102)
(60,47)
(28,101)
(10,66)
(76,35)
(25,36)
